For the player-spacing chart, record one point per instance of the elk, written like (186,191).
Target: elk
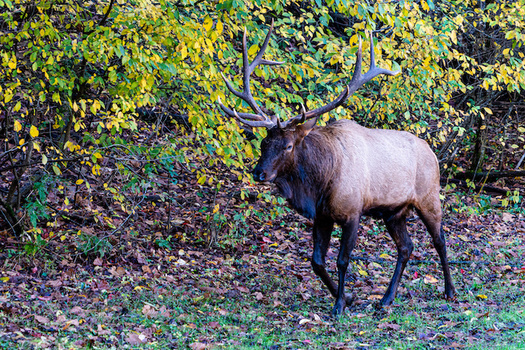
(337,173)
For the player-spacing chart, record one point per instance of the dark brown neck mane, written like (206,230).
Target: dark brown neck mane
(307,182)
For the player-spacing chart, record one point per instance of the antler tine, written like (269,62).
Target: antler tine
(358,80)
(267,123)
(373,71)
(258,58)
(259,119)
(249,119)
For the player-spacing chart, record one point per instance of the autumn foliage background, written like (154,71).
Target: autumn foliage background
(99,99)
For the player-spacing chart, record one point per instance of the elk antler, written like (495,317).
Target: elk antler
(358,79)
(259,119)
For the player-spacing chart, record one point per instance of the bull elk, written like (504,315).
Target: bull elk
(342,171)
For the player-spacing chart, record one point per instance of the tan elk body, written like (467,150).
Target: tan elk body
(375,168)
(342,171)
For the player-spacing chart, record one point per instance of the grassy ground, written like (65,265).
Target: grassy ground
(265,296)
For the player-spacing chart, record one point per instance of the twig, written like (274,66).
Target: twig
(521,161)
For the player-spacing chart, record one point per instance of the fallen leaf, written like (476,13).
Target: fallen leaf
(136,338)
(242,289)
(304,320)
(430,279)
(197,346)
(149,311)
(102,331)
(77,310)
(164,312)
(55,284)
(391,326)
(363,272)
(140,259)
(42,319)
(507,217)
(214,325)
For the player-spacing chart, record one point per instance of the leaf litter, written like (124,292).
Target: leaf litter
(179,276)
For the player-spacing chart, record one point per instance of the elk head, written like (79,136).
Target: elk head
(277,149)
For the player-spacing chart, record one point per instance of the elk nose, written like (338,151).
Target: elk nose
(258,174)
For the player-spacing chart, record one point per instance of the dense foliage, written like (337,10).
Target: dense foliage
(79,79)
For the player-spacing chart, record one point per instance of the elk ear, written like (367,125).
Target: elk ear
(305,128)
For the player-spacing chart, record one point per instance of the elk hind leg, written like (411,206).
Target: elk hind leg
(396,226)
(431,216)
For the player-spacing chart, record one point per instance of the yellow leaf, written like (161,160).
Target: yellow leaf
(248,150)
(44,159)
(56,170)
(4,279)
(219,27)
(33,131)
(201,180)
(208,23)
(70,146)
(12,63)
(79,182)
(453,37)
(252,50)
(183,52)
(95,169)
(363,273)
(481,296)
(17,126)
(429,279)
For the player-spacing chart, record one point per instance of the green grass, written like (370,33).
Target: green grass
(265,295)
(203,314)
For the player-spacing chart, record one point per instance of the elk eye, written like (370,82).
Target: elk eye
(289,148)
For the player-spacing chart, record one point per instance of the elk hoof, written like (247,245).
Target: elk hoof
(451,297)
(338,308)
(386,301)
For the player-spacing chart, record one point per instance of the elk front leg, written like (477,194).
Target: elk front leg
(348,239)
(397,228)
(321,237)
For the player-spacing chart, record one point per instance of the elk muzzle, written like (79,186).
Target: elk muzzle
(259,174)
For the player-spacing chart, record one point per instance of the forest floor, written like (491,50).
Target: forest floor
(213,269)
